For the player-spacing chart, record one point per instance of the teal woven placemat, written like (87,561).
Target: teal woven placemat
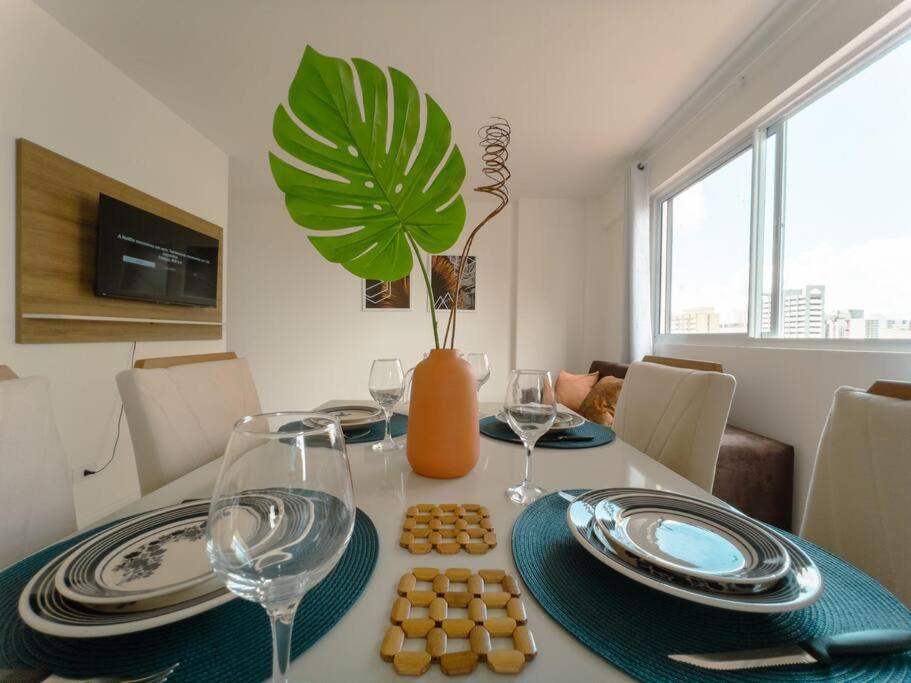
(227,644)
(635,627)
(492,427)
(398,425)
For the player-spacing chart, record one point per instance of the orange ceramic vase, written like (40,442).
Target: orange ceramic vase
(443,437)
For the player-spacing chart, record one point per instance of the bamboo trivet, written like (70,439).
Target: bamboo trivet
(494,608)
(447,528)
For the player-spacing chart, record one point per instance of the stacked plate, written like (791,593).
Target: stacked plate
(564,420)
(142,573)
(355,420)
(696,550)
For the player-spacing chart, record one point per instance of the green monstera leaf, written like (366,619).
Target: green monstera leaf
(380,206)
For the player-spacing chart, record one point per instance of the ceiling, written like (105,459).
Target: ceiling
(584,83)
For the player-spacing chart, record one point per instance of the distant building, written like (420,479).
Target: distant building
(766,313)
(803,312)
(695,321)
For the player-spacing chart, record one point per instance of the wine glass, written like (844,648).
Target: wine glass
(480,366)
(387,383)
(281,516)
(530,411)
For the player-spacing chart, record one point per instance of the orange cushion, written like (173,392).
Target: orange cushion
(601,403)
(571,389)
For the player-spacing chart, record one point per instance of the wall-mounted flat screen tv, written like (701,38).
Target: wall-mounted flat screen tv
(144,256)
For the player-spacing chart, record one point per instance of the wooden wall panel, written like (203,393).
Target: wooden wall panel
(56,213)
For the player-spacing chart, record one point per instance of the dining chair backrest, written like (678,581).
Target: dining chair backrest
(6,372)
(676,416)
(35,483)
(886,387)
(857,504)
(181,415)
(686,363)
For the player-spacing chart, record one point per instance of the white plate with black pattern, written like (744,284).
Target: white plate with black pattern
(562,421)
(801,586)
(694,539)
(149,556)
(44,609)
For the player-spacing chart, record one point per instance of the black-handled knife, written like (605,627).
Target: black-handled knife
(565,437)
(814,651)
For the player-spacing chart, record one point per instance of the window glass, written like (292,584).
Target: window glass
(847,231)
(710,251)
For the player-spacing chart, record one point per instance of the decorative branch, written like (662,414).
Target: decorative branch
(494,141)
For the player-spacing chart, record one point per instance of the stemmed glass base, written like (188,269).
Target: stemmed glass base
(525,493)
(388,443)
(383,446)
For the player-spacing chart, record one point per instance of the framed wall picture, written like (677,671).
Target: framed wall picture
(378,295)
(444,273)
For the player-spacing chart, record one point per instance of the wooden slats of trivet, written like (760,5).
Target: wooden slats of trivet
(422,610)
(448,528)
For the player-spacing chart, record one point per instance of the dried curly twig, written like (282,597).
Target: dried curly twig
(494,141)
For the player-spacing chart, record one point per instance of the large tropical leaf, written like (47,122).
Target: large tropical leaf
(378,198)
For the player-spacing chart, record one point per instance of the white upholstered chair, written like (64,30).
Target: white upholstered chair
(35,484)
(676,416)
(857,506)
(181,411)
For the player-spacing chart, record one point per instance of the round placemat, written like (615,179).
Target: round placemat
(492,427)
(229,643)
(398,426)
(635,627)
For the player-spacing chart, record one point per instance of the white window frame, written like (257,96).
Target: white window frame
(755,138)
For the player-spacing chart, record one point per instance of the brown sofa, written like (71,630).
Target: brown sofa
(754,473)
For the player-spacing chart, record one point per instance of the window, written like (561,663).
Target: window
(707,248)
(845,236)
(832,233)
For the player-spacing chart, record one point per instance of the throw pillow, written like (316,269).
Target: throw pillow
(601,403)
(572,389)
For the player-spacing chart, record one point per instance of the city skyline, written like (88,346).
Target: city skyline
(804,315)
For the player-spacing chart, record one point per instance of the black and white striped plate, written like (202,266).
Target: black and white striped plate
(148,557)
(694,539)
(43,608)
(801,586)
(563,420)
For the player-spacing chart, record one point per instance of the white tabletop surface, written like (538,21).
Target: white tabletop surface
(385,487)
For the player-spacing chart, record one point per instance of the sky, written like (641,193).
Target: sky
(847,210)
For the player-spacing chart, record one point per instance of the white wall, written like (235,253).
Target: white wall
(59,93)
(298,318)
(550,279)
(782,393)
(604,287)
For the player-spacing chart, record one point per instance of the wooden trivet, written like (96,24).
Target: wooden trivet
(494,610)
(447,528)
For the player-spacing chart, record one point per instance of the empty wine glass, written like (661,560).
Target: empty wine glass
(281,516)
(530,411)
(480,366)
(387,383)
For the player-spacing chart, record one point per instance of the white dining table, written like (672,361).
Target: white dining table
(385,486)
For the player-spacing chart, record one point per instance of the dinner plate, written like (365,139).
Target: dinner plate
(354,416)
(801,586)
(563,421)
(694,539)
(200,589)
(149,556)
(43,608)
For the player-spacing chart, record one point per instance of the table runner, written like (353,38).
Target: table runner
(492,427)
(228,643)
(635,627)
